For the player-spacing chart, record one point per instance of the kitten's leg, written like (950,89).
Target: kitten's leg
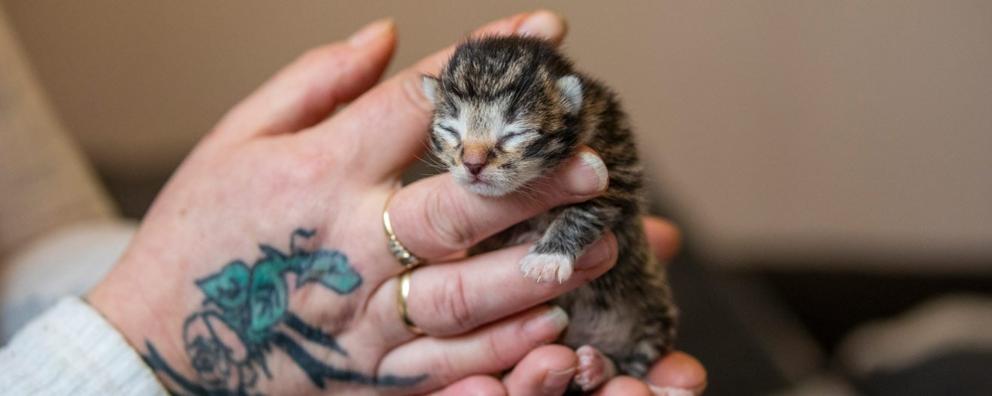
(595,368)
(572,230)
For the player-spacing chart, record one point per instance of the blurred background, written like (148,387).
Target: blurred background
(829,161)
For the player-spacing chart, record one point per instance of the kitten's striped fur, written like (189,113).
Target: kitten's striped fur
(516,105)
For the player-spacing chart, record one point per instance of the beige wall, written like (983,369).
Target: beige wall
(45,181)
(781,129)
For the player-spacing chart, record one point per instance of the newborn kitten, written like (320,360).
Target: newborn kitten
(509,110)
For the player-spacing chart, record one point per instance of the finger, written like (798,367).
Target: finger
(479,385)
(398,112)
(307,91)
(490,349)
(664,237)
(450,299)
(678,374)
(436,217)
(545,371)
(624,386)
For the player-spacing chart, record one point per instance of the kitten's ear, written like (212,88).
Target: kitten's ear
(429,85)
(571,92)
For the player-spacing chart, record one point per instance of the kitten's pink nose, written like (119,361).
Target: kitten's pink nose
(474,167)
(474,157)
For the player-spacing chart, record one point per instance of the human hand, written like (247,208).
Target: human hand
(316,309)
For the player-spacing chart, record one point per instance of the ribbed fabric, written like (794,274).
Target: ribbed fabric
(72,350)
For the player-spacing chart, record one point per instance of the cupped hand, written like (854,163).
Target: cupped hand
(262,266)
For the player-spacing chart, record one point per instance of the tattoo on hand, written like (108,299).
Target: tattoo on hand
(252,302)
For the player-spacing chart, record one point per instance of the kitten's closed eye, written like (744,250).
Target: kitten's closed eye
(452,133)
(513,138)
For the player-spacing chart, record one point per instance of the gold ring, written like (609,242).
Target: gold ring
(402,254)
(401,295)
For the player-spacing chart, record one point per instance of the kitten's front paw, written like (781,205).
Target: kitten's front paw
(594,368)
(545,267)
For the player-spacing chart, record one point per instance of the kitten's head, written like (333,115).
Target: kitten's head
(506,110)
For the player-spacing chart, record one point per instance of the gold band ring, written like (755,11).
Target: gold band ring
(402,254)
(401,295)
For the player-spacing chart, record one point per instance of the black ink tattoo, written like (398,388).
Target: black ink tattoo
(251,302)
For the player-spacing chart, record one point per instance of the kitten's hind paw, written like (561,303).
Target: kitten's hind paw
(545,267)
(594,368)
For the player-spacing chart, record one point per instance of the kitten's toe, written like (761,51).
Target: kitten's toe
(594,368)
(545,267)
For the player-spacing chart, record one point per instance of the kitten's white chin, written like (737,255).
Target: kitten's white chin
(492,184)
(486,189)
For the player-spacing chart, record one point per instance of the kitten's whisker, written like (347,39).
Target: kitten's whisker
(530,194)
(432,162)
(431,159)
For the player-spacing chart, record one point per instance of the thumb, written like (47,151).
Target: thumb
(307,91)
(678,374)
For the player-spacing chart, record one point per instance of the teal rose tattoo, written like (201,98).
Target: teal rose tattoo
(252,302)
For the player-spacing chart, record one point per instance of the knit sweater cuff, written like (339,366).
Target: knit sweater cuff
(71,349)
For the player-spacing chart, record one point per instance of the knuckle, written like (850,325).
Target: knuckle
(497,351)
(307,168)
(443,370)
(452,302)
(448,221)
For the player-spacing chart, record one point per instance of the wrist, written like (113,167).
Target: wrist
(146,309)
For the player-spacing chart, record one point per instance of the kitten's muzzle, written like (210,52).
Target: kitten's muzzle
(475,168)
(475,157)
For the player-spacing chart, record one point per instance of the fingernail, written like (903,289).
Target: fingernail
(670,391)
(370,32)
(587,175)
(556,381)
(544,24)
(598,254)
(554,318)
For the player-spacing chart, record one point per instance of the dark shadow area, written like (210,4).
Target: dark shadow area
(715,333)
(830,304)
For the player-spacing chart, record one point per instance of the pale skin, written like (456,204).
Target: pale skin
(280,161)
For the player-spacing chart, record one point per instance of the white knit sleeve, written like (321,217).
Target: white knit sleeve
(72,350)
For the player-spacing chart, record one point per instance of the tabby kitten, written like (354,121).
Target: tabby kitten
(510,109)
